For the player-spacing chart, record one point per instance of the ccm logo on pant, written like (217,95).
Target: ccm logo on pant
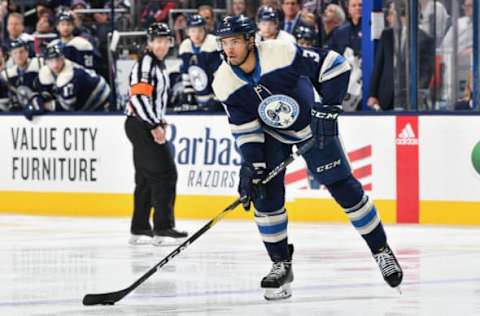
(329,166)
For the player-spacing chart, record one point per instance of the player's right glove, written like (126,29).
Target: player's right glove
(324,124)
(250,187)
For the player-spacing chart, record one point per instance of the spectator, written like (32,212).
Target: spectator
(467,102)
(239,7)
(15,29)
(268,26)
(292,15)
(434,19)
(82,22)
(206,11)
(44,7)
(180,26)
(349,34)
(333,17)
(347,41)
(464,46)
(387,89)
(44,33)
(156,11)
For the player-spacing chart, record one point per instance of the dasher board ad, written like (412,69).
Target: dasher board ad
(93,154)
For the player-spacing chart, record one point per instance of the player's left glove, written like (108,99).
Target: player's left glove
(324,124)
(34,107)
(250,187)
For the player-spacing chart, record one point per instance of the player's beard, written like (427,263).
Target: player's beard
(249,51)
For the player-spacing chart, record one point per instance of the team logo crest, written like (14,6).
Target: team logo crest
(279,111)
(198,78)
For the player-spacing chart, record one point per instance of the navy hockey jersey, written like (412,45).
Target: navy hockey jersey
(75,88)
(23,80)
(198,66)
(78,50)
(278,96)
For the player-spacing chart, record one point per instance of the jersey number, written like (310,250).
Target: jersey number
(68,90)
(88,60)
(311,54)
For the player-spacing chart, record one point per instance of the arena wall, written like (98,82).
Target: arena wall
(419,169)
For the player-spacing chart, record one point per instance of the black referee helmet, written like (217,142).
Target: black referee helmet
(158,30)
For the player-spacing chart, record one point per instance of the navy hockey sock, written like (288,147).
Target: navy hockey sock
(273,229)
(361,211)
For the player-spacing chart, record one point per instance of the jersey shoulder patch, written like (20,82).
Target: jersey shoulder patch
(225,82)
(210,44)
(185,47)
(271,59)
(80,43)
(66,75)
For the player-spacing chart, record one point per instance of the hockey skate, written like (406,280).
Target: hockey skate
(168,237)
(389,266)
(277,282)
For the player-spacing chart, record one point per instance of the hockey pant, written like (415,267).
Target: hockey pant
(155,180)
(330,167)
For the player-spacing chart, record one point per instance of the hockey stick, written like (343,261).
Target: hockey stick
(113,297)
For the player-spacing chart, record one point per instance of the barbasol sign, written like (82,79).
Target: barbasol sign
(207,157)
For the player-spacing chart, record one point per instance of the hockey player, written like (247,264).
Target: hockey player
(268,26)
(22,76)
(200,59)
(74,87)
(155,170)
(305,37)
(75,48)
(277,94)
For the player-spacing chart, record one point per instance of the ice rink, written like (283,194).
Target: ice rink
(49,263)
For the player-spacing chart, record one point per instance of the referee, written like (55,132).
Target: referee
(155,170)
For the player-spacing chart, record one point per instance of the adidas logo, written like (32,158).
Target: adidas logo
(407,136)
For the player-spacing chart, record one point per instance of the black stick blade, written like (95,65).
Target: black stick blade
(105,298)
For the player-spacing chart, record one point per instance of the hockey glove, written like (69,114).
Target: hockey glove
(250,187)
(33,108)
(324,124)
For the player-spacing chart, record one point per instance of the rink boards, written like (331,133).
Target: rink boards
(419,169)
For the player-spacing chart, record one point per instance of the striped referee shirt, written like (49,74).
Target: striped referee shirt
(149,86)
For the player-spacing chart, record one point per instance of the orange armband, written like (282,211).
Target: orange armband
(141,88)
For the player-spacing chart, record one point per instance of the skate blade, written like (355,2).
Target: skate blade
(140,241)
(281,293)
(159,241)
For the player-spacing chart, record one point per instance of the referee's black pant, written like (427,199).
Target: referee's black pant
(155,180)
